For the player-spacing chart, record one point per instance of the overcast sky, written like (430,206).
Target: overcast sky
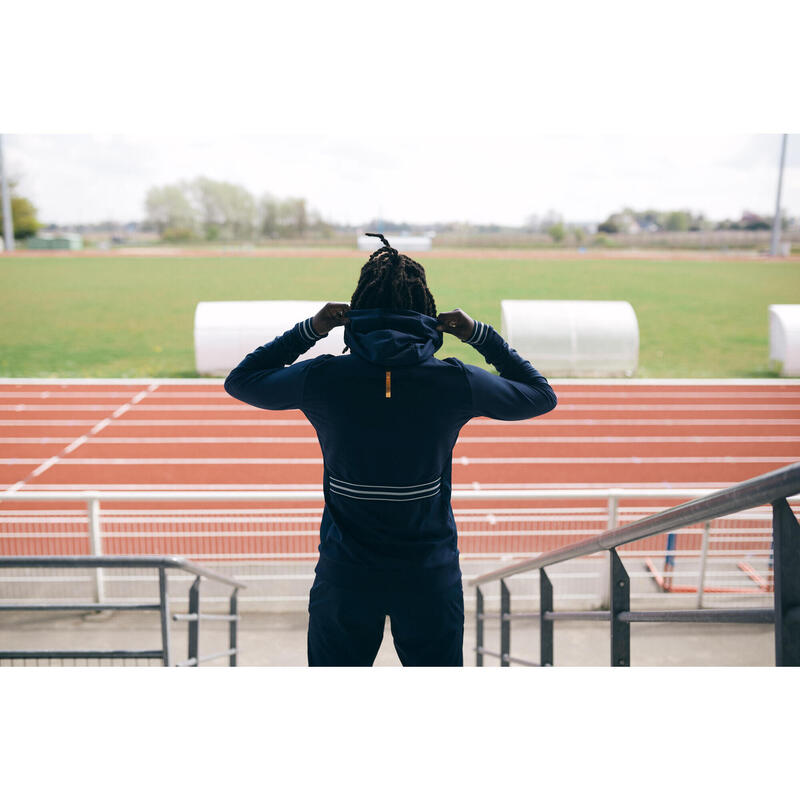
(350,179)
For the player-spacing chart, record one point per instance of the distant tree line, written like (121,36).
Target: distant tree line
(218,210)
(553,225)
(651,221)
(211,210)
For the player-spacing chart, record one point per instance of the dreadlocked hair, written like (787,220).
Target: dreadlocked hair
(394,281)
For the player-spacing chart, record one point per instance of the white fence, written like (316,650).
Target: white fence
(269,541)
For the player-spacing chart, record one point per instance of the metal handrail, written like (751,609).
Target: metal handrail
(159,563)
(123,562)
(773,488)
(758,491)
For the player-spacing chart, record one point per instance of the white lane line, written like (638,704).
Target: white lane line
(41,468)
(65,395)
(9,423)
(12,461)
(222,423)
(230,440)
(733,395)
(154,461)
(459,459)
(160,487)
(562,407)
(56,407)
(566,394)
(34,440)
(550,426)
(669,422)
(266,487)
(100,425)
(76,444)
(638,460)
(479,421)
(679,407)
(60,382)
(136,381)
(623,439)
(216,440)
(187,487)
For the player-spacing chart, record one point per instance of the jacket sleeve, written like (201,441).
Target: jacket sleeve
(519,392)
(263,378)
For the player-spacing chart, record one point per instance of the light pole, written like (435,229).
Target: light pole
(8,223)
(776,222)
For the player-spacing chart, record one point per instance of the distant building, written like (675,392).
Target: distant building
(55,241)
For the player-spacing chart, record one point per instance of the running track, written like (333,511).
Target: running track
(190,435)
(194,436)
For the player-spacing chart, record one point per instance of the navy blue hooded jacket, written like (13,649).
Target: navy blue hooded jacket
(387,417)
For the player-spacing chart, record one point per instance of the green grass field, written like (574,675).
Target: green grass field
(133,317)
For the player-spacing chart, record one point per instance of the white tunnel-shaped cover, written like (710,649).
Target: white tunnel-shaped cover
(784,338)
(574,338)
(401,243)
(225,332)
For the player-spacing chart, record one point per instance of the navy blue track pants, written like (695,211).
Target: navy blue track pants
(345,626)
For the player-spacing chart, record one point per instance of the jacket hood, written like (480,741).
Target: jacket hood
(392,338)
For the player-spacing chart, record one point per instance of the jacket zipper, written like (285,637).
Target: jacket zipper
(388,383)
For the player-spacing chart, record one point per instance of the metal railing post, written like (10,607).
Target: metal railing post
(771,565)
(96,546)
(701,579)
(669,560)
(233,629)
(620,601)
(505,625)
(194,621)
(478,627)
(786,543)
(164,608)
(612,521)
(545,625)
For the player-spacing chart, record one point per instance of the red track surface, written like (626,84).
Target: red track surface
(193,436)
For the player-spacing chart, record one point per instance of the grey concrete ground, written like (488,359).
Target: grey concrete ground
(278,639)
